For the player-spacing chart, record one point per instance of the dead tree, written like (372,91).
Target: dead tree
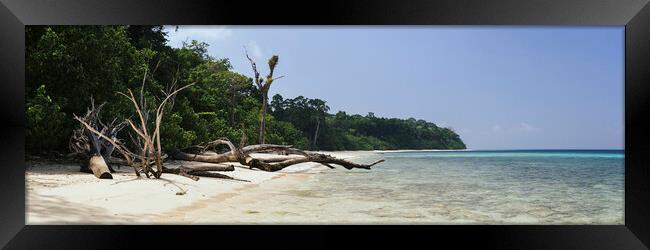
(206,171)
(243,156)
(264,89)
(84,143)
(148,157)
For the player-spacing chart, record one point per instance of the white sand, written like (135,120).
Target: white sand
(60,194)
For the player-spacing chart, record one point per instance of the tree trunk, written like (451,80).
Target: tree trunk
(316,133)
(220,158)
(242,155)
(311,157)
(98,166)
(263,118)
(232,108)
(202,170)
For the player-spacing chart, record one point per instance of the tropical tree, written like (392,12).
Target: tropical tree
(263,84)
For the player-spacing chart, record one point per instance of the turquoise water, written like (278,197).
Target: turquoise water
(477,187)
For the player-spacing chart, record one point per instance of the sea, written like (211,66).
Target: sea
(502,187)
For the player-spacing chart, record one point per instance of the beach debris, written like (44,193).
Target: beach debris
(97,150)
(203,170)
(287,156)
(99,141)
(148,157)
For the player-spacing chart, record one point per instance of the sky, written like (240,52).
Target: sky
(504,87)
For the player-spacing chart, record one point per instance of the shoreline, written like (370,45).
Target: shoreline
(57,193)
(309,193)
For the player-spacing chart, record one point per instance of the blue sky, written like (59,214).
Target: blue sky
(503,87)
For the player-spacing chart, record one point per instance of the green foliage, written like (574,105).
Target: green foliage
(281,132)
(45,122)
(307,115)
(80,62)
(356,132)
(173,136)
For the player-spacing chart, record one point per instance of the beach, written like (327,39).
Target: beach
(410,187)
(60,194)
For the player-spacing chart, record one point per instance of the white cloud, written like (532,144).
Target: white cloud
(525,127)
(207,34)
(255,50)
(496,128)
(211,32)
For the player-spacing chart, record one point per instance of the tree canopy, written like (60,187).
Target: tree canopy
(66,66)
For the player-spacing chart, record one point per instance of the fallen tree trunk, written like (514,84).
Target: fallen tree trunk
(218,158)
(202,170)
(89,146)
(98,166)
(102,139)
(243,156)
(324,159)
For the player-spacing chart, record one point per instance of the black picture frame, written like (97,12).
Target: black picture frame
(633,14)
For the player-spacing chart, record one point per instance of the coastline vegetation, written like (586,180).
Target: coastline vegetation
(67,66)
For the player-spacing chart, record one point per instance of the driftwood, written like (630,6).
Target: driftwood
(99,167)
(148,158)
(287,156)
(99,141)
(202,170)
(85,143)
